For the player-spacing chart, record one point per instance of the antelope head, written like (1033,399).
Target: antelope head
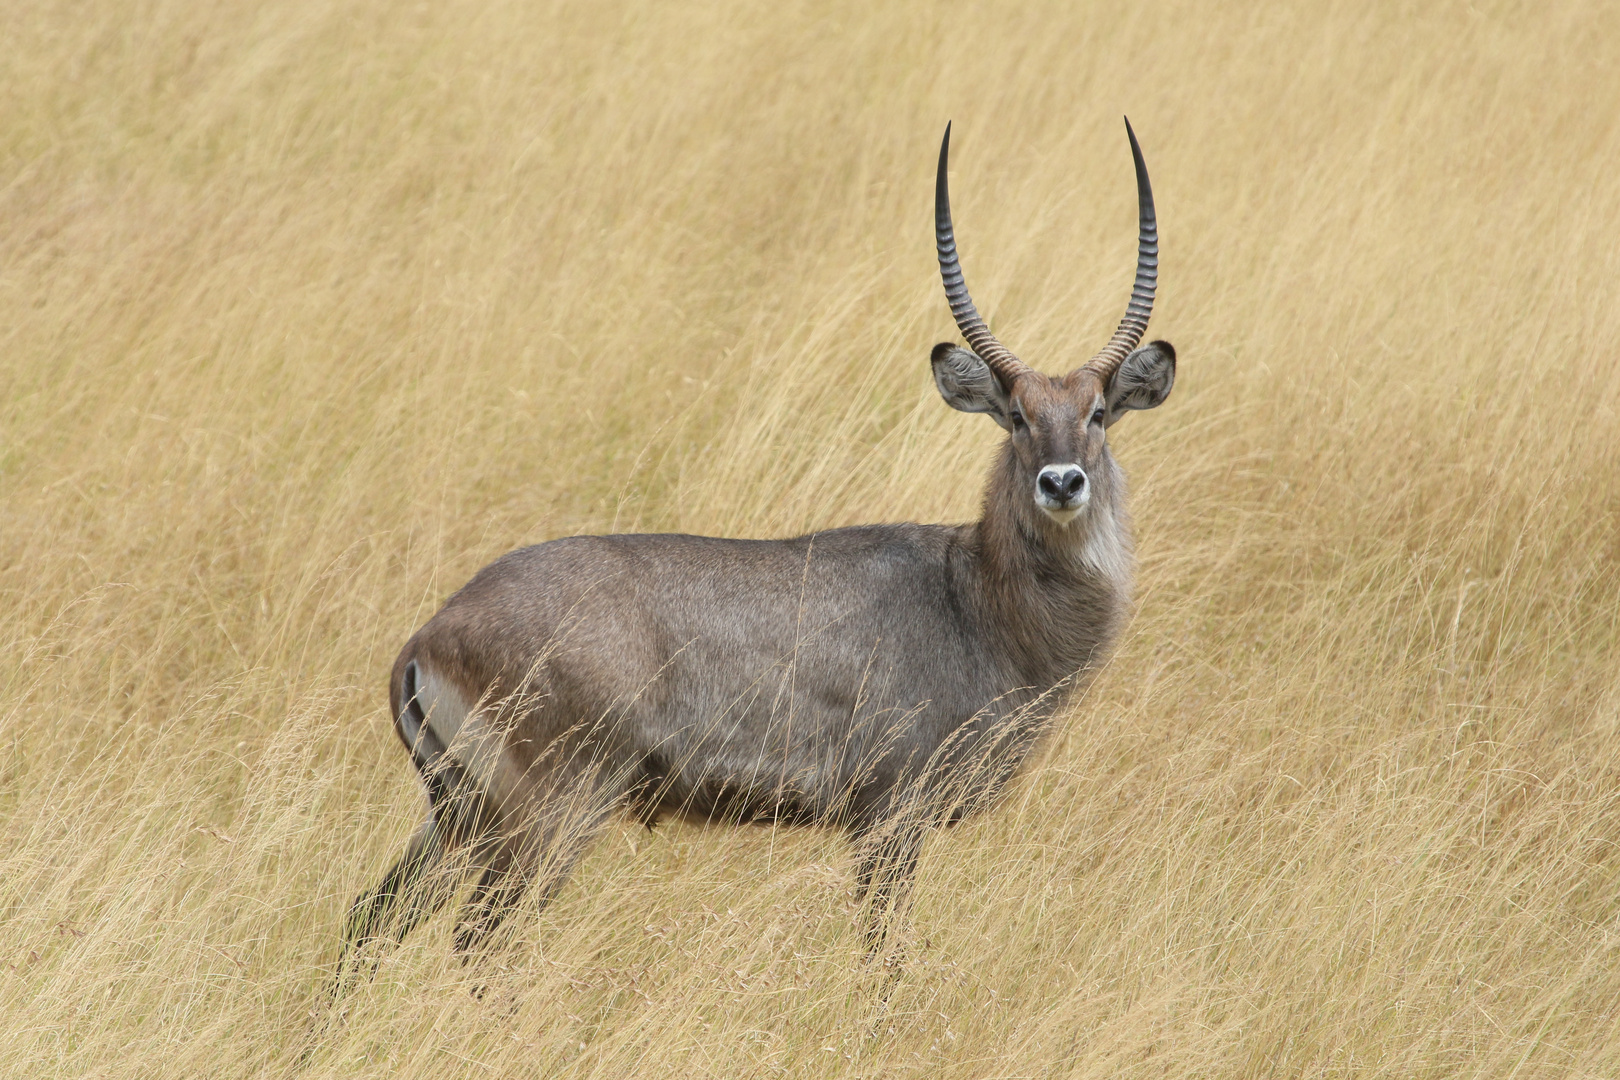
(1058,424)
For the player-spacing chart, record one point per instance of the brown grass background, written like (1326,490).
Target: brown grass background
(310,308)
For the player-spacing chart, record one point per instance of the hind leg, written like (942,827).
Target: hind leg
(402,899)
(542,852)
(505,879)
(414,888)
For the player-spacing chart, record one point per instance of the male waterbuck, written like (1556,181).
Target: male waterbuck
(880,679)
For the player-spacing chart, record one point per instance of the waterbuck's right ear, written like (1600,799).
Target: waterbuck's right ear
(967,383)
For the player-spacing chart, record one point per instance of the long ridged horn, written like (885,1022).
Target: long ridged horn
(1001,360)
(1134,324)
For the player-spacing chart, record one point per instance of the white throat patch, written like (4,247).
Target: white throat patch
(1104,550)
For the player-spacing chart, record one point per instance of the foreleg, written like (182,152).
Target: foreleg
(884,876)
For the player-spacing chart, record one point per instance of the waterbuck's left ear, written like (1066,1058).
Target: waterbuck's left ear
(1143,380)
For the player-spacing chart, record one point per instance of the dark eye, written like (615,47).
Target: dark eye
(1097,417)
(1018,420)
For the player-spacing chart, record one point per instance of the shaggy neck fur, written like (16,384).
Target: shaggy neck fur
(1057,594)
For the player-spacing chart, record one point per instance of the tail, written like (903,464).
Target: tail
(430,716)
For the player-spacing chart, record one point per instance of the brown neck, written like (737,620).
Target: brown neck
(1057,594)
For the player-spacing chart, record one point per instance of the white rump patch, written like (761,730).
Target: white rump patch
(465,732)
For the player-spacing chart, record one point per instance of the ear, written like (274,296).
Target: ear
(1143,380)
(967,383)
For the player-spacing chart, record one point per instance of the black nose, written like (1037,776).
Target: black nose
(1061,483)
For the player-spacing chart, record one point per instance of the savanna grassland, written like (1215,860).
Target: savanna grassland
(309,309)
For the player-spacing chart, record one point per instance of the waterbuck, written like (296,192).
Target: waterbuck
(880,679)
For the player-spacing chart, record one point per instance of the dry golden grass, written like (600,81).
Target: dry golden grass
(309,309)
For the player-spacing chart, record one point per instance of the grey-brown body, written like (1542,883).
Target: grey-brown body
(880,679)
(762,679)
